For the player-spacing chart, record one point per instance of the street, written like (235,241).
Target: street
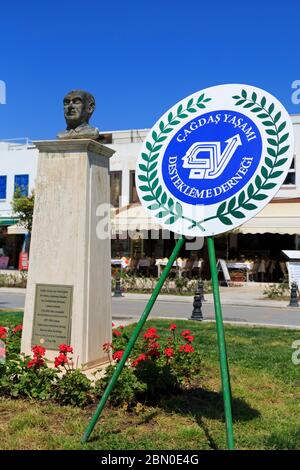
(131,306)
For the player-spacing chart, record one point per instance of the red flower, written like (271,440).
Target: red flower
(64,348)
(142,357)
(3,332)
(116,333)
(121,327)
(189,338)
(61,360)
(36,361)
(169,352)
(151,333)
(2,353)
(188,348)
(117,356)
(185,333)
(172,327)
(154,345)
(106,347)
(113,324)
(18,328)
(153,353)
(38,351)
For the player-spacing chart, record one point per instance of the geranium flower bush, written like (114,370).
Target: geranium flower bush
(161,363)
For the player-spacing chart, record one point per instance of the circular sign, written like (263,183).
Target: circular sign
(215,159)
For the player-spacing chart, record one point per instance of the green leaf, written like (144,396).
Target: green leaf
(283,150)
(249,207)
(238,214)
(162,214)
(170,203)
(163,198)
(236,97)
(276,174)
(189,104)
(231,204)
(271,152)
(161,139)
(271,132)
(148,198)
(283,138)
(272,142)
(171,220)
(263,115)
(269,185)
(149,146)
(264,172)
(206,100)
(154,206)
(268,123)
(161,126)
(221,208)
(157,148)
(142,178)
(259,197)
(170,117)
(179,109)
(178,209)
(154,157)
(154,136)
(277,117)
(241,198)
(268,162)
(263,102)
(182,115)
(244,94)
(192,110)
(158,191)
(240,102)
(250,190)
(145,157)
(225,220)
(145,188)
(153,175)
(248,105)
(152,166)
(255,110)
(154,184)
(199,105)
(280,162)
(142,167)
(200,98)
(254,96)
(258,181)
(271,108)
(167,130)
(281,127)
(173,123)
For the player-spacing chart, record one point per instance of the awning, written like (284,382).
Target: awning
(281,217)
(16,230)
(5,221)
(132,218)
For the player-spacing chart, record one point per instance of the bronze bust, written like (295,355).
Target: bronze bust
(79,106)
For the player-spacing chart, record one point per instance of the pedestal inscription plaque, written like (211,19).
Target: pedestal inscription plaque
(52,315)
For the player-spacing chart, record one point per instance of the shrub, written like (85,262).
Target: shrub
(276,291)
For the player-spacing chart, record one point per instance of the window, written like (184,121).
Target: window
(291,176)
(133,192)
(115,187)
(21,183)
(3,187)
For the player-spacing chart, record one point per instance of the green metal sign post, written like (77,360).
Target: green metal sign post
(220,333)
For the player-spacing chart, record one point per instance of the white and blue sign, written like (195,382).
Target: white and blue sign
(215,159)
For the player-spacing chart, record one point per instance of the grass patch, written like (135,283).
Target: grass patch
(11,318)
(266,403)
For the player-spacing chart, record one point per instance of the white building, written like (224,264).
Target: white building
(278,224)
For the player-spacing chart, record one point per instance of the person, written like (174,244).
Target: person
(262,268)
(79,106)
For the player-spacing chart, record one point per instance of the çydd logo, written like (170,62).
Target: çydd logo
(215,159)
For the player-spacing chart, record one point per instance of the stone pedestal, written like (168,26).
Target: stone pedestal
(68,296)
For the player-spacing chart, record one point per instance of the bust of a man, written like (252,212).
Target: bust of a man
(79,106)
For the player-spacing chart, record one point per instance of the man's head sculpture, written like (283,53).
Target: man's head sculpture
(79,106)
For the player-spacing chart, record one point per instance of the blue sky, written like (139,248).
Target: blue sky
(138,57)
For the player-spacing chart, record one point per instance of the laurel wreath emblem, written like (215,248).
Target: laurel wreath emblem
(233,208)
